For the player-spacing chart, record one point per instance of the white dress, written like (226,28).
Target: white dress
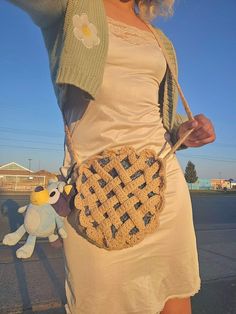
(165,264)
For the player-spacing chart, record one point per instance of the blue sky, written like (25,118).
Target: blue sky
(204,36)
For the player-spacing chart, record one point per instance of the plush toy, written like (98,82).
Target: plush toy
(46,211)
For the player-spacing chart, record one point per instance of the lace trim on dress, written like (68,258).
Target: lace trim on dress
(130,33)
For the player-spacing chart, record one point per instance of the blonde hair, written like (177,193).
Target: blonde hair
(150,9)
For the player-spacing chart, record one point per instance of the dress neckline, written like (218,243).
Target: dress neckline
(117,22)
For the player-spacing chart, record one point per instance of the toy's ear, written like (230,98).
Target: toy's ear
(60,186)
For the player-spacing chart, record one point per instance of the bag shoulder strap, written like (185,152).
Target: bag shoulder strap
(158,34)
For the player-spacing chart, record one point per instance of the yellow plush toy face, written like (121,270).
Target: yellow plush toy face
(39,197)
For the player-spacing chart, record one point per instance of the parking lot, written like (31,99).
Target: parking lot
(36,285)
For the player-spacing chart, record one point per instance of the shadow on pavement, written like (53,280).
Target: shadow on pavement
(59,288)
(10,209)
(215,298)
(21,278)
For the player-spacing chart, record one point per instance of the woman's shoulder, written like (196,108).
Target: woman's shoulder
(169,47)
(165,39)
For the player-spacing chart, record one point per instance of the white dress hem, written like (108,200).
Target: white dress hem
(182,295)
(179,295)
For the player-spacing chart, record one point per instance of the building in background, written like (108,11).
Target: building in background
(200,184)
(233,184)
(212,184)
(14,177)
(220,184)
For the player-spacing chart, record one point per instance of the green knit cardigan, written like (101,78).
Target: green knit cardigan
(71,62)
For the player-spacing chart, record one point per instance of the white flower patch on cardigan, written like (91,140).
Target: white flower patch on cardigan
(85,31)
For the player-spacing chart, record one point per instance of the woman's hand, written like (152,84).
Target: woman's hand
(203,133)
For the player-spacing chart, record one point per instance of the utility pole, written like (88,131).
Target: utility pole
(29,159)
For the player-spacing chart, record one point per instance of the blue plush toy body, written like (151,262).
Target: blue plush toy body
(44,214)
(41,220)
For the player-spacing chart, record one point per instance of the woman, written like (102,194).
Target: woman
(109,97)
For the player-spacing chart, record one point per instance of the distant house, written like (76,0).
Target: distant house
(14,177)
(233,184)
(219,184)
(200,184)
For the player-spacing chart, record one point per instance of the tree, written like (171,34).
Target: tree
(190,173)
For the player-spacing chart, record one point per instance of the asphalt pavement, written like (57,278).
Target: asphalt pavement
(36,285)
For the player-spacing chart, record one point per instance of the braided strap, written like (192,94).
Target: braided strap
(120,196)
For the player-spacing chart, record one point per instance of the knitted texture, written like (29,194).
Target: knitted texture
(79,65)
(168,93)
(120,197)
(84,67)
(72,63)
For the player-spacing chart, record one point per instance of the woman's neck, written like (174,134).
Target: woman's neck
(123,11)
(125,5)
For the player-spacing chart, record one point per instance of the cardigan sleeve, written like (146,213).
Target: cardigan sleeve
(178,118)
(43,12)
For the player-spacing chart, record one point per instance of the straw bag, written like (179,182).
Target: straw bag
(120,192)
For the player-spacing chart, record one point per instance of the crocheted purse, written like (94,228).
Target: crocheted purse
(120,192)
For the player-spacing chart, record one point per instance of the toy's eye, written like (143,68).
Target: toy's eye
(54,196)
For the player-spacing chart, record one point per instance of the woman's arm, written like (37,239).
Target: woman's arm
(43,12)
(203,133)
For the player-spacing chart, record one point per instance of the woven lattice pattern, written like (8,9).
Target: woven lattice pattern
(120,196)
